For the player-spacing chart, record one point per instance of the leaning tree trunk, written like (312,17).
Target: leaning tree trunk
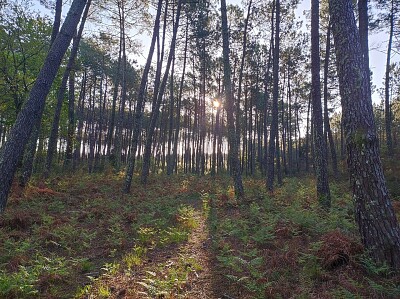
(232,137)
(156,108)
(320,149)
(30,150)
(378,226)
(137,122)
(52,147)
(57,20)
(33,109)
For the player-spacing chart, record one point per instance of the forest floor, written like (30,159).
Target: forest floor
(185,237)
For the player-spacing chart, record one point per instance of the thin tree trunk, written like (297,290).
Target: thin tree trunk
(57,20)
(388,119)
(156,108)
(137,125)
(327,126)
(71,121)
(178,109)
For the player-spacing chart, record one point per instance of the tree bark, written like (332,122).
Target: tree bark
(376,219)
(33,109)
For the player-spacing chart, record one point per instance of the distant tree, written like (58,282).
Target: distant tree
(375,217)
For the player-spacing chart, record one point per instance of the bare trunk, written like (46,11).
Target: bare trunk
(376,219)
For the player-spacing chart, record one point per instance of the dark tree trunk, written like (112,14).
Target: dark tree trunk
(71,121)
(266,93)
(320,160)
(170,161)
(307,148)
(137,125)
(30,150)
(388,114)
(121,112)
(80,113)
(376,219)
(178,109)
(156,108)
(111,126)
(32,110)
(233,146)
(52,146)
(57,20)
(274,125)
(29,155)
(328,132)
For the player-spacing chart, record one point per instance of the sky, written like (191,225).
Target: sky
(377,46)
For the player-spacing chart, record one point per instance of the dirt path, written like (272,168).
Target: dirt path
(198,248)
(183,271)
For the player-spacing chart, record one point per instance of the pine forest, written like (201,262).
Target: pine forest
(199,149)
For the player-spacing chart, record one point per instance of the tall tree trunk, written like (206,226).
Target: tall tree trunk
(376,219)
(13,148)
(71,121)
(30,150)
(57,20)
(111,126)
(240,80)
(178,109)
(80,117)
(232,137)
(121,112)
(266,92)
(274,125)
(156,108)
(388,119)
(328,132)
(320,160)
(137,125)
(307,148)
(170,158)
(52,146)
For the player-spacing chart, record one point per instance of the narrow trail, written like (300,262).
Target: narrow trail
(198,248)
(184,271)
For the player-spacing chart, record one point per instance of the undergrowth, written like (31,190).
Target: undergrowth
(84,238)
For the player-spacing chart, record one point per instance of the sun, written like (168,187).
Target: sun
(216,103)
